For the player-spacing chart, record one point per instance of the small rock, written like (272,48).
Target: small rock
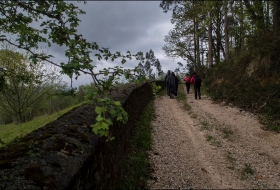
(204,170)
(257,177)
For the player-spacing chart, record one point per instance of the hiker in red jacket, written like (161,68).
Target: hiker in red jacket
(187,80)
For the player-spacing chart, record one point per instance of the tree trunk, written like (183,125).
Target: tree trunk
(226,30)
(242,36)
(210,41)
(260,14)
(267,14)
(218,35)
(276,18)
(197,49)
(195,44)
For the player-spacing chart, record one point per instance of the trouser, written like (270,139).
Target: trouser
(167,90)
(197,92)
(188,87)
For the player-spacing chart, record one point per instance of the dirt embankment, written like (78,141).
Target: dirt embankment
(211,146)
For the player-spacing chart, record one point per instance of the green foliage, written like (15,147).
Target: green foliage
(182,97)
(58,22)
(227,132)
(138,169)
(10,132)
(249,83)
(155,88)
(250,77)
(146,63)
(25,85)
(246,170)
(108,111)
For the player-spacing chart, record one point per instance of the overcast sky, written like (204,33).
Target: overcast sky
(123,26)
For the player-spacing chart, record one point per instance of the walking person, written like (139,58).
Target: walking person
(165,81)
(176,84)
(172,82)
(187,80)
(196,81)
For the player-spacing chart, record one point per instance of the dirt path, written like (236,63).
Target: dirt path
(211,146)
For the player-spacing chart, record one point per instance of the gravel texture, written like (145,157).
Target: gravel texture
(211,146)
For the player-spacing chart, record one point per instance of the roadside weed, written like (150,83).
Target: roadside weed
(227,132)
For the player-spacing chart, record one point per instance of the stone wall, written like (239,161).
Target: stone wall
(66,154)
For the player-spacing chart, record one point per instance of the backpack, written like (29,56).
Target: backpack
(187,79)
(197,80)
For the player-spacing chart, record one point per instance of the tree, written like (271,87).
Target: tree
(58,22)
(185,39)
(210,41)
(226,30)
(276,18)
(26,84)
(147,62)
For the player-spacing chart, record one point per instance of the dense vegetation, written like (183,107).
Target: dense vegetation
(234,46)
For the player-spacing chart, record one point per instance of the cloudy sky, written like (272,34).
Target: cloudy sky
(123,26)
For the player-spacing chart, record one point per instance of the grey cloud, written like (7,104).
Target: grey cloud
(123,26)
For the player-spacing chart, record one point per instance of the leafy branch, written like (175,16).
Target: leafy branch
(58,22)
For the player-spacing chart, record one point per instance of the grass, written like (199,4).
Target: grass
(216,143)
(229,157)
(213,141)
(10,132)
(227,132)
(246,171)
(138,169)
(205,126)
(162,92)
(269,123)
(181,97)
(231,167)
(209,137)
(193,115)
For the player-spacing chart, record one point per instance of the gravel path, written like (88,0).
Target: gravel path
(211,146)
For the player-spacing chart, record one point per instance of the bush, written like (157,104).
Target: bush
(248,83)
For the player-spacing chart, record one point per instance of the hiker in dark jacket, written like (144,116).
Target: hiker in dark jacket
(172,82)
(165,81)
(196,81)
(176,84)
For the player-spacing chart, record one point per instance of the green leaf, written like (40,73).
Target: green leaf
(98,110)
(113,112)
(105,126)
(117,103)
(123,61)
(119,118)
(99,118)
(109,121)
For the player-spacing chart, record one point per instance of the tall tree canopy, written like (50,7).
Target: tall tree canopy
(239,40)
(147,63)
(221,29)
